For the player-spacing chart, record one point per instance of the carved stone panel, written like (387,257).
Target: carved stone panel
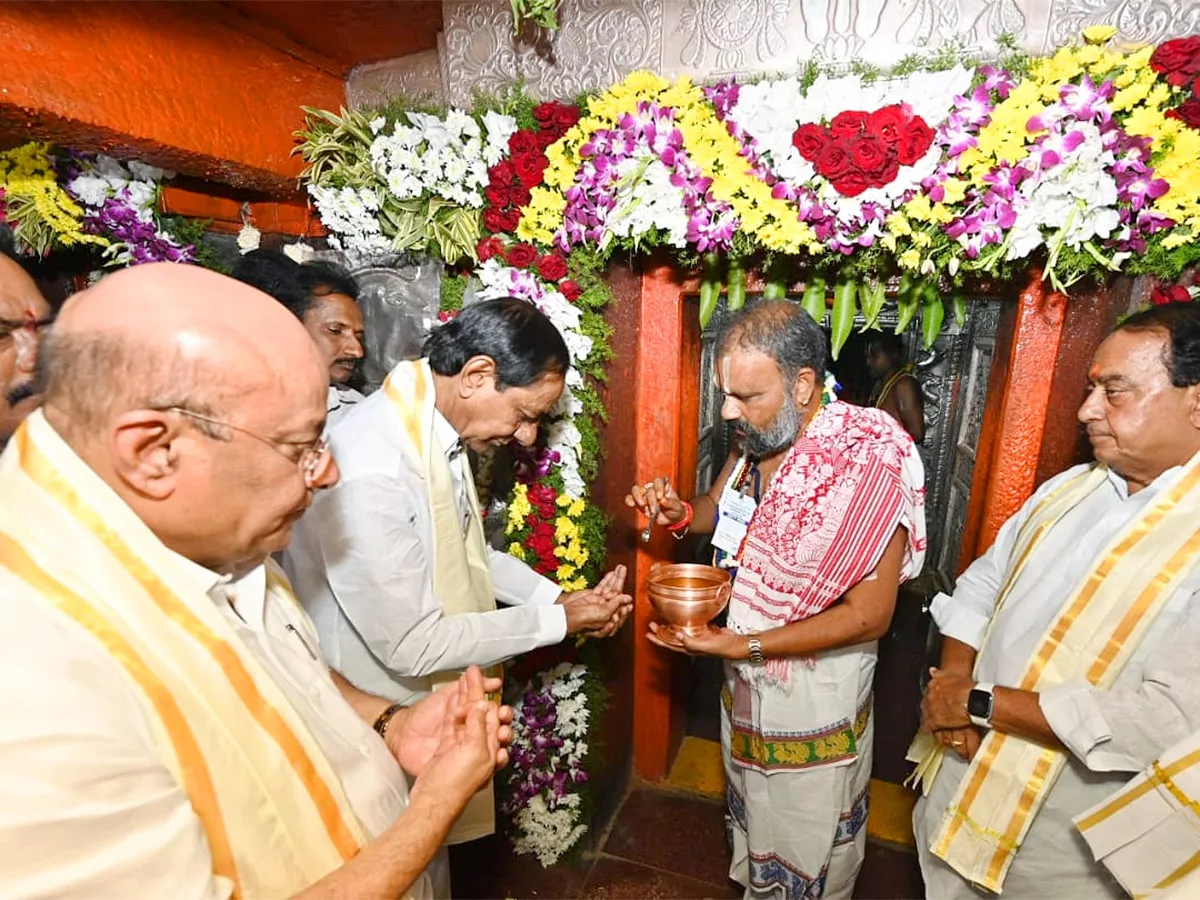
(598,43)
(601,41)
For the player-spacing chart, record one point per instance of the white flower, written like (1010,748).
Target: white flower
(90,190)
(377,124)
(299,252)
(248,238)
(143,172)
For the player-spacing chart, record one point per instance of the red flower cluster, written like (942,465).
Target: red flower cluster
(859,150)
(510,180)
(541,529)
(1179,60)
(1170,293)
(550,266)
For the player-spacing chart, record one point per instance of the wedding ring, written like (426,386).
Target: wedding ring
(956,743)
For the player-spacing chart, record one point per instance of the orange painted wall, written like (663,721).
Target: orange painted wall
(162,82)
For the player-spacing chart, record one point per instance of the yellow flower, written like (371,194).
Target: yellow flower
(515,549)
(910,258)
(918,208)
(1099,34)
(565,572)
(897,224)
(955,190)
(941,214)
(921,239)
(575,510)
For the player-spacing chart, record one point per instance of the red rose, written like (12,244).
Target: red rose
(497,195)
(810,139)
(502,173)
(552,267)
(518,195)
(914,142)
(510,219)
(544,113)
(523,142)
(522,256)
(529,169)
(1179,60)
(1188,112)
(888,122)
(570,290)
(870,154)
(494,221)
(852,183)
(834,161)
(489,247)
(1170,293)
(850,123)
(565,116)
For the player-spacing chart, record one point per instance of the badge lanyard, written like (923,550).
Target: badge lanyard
(734,512)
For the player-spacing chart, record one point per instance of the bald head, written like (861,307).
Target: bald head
(165,335)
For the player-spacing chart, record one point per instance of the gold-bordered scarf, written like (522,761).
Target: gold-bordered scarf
(462,572)
(272,806)
(1148,832)
(1099,627)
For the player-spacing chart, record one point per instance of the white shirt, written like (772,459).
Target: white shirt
(339,401)
(1112,733)
(359,561)
(87,809)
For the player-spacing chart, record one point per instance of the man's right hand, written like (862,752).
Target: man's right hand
(658,497)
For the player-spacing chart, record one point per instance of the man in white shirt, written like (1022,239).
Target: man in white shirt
(170,727)
(324,297)
(366,559)
(1070,657)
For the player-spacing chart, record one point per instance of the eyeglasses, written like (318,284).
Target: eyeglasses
(314,458)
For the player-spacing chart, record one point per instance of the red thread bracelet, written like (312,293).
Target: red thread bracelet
(683,523)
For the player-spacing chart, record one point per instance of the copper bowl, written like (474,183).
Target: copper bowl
(688,596)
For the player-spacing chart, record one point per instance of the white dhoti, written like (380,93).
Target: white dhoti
(797,799)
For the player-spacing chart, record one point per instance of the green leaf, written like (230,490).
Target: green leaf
(813,300)
(872,297)
(710,287)
(737,284)
(932,316)
(909,302)
(960,308)
(842,322)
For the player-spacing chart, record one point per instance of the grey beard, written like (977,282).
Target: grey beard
(779,435)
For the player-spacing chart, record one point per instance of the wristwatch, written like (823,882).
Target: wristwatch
(755,656)
(979,704)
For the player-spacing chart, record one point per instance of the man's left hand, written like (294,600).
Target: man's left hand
(944,705)
(710,642)
(436,720)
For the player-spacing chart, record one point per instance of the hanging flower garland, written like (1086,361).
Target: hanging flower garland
(63,199)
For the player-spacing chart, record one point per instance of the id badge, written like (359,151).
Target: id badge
(735,511)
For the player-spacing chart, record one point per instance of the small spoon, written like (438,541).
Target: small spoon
(653,513)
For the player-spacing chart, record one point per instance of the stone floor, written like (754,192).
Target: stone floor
(662,844)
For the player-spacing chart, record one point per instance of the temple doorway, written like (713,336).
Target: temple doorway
(953,374)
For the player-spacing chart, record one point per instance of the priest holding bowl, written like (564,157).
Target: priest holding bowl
(819,512)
